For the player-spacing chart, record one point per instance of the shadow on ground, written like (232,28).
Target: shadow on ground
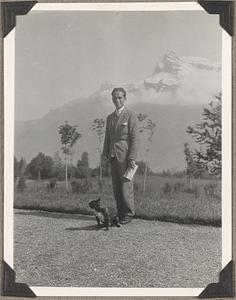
(47,214)
(86,228)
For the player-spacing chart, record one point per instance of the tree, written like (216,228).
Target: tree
(58,167)
(21,186)
(165,173)
(179,174)
(16,163)
(69,136)
(98,126)
(190,164)
(106,172)
(22,166)
(83,170)
(57,160)
(19,167)
(146,126)
(40,166)
(195,168)
(208,134)
(19,173)
(142,167)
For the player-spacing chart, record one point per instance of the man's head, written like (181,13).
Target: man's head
(118,97)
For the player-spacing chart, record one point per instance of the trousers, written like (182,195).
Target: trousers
(122,188)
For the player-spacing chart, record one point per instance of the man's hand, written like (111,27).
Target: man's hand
(131,163)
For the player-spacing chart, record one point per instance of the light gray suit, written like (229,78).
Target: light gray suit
(120,145)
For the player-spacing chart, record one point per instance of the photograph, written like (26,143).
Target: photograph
(117,149)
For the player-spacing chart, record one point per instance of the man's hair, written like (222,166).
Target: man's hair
(119,89)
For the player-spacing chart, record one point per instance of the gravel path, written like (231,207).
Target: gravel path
(65,250)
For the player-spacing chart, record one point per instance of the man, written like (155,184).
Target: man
(120,148)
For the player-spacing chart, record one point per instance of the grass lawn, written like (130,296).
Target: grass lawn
(156,204)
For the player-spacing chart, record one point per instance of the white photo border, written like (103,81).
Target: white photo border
(9,96)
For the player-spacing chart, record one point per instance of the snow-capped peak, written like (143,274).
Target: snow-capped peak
(171,74)
(173,64)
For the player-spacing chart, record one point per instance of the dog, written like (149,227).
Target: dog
(103,217)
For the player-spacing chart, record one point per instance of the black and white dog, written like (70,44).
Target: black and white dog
(103,217)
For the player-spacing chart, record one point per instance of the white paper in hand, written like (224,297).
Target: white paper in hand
(129,173)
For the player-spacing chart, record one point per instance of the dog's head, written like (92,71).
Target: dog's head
(95,204)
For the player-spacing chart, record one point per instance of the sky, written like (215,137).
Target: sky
(62,56)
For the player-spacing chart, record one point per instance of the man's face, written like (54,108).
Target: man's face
(118,99)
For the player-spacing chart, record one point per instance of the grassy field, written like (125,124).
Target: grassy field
(165,199)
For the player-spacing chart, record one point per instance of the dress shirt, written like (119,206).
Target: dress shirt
(118,111)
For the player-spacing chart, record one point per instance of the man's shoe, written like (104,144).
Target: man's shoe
(125,220)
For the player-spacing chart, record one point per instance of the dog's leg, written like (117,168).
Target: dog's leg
(106,218)
(98,221)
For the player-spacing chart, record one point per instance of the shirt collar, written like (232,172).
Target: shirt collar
(118,111)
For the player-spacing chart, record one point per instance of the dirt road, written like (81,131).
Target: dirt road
(65,250)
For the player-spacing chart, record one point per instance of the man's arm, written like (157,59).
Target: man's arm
(133,139)
(106,144)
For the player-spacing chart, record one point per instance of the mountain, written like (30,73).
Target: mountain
(173,97)
(175,80)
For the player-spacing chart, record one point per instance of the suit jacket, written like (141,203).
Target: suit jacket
(121,136)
